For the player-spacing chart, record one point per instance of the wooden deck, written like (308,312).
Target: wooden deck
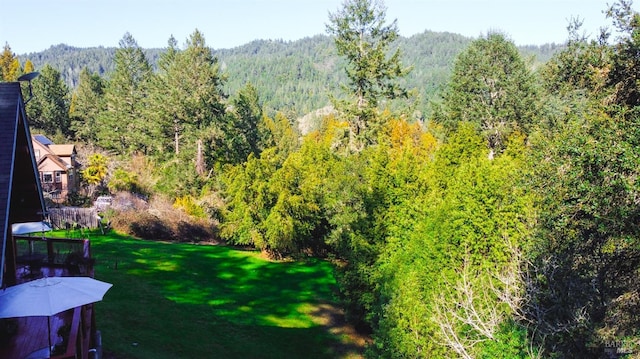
(31,339)
(31,335)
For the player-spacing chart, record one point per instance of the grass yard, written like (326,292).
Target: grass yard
(172,300)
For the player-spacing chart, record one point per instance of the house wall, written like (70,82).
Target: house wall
(55,180)
(55,175)
(39,150)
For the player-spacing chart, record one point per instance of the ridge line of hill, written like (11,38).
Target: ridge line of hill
(292,76)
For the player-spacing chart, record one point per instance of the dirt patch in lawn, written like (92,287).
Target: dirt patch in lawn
(351,344)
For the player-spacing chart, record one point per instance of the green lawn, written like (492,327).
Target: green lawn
(200,301)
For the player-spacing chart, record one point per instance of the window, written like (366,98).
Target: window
(58,176)
(47,177)
(37,154)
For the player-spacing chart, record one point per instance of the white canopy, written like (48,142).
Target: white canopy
(30,227)
(49,296)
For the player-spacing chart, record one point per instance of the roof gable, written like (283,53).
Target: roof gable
(57,162)
(65,150)
(20,194)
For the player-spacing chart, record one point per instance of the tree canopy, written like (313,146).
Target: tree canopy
(500,223)
(364,39)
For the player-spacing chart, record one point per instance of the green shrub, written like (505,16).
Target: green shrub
(510,342)
(122,180)
(189,205)
(148,226)
(195,231)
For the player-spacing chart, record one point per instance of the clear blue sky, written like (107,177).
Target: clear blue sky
(30,26)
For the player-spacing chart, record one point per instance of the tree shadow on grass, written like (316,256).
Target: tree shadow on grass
(174,300)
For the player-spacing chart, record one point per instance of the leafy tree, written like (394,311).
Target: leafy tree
(587,253)
(362,36)
(448,261)
(587,250)
(176,178)
(624,75)
(492,88)
(575,78)
(248,199)
(120,180)
(86,106)
(260,192)
(95,172)
(121,126)
(581,68)
(280,133)
(48,110)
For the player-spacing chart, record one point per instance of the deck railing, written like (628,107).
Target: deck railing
(69,254)
(60,257)
(79,342)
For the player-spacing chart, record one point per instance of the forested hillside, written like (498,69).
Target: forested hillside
(502,222)
(296,77)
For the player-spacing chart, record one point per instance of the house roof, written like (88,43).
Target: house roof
(54,153)
(59,162)
(20,194)
(43,140)
(62,150)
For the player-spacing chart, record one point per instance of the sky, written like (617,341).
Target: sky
(36,25)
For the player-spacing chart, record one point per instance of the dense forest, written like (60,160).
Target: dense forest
(502,221)
(295,77)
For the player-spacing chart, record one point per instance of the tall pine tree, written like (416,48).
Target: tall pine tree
(122,127)
(86,104)
(363,37)
(187,100)
(48,110)
(9,64)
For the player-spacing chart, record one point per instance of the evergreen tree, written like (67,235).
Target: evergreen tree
(28,67)
(247,127)
(164,100)
(187,100)
(122,126)
(86,105)
(492,88)
(9,65)
(252,189)
(624,76)
(362,36)
(48,110)
(582,289)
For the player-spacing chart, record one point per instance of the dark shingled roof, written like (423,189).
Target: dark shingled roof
(8,121)
(20,194)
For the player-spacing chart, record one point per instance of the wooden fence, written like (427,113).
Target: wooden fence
(64,217)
